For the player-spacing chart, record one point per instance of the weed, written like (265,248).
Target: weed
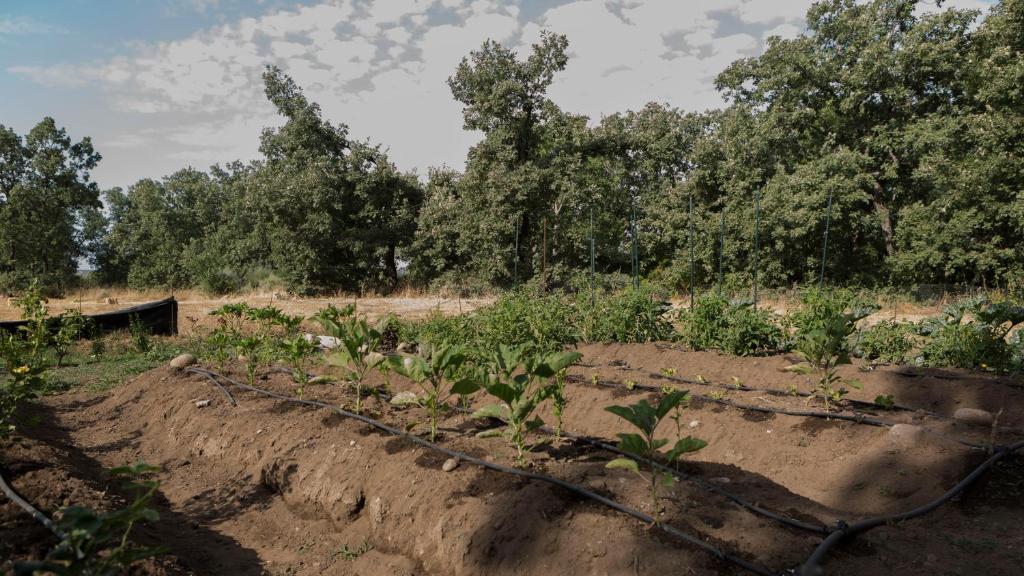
(140,334)
(71,324)
(886,402)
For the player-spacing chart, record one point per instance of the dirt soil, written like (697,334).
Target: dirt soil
(270,487)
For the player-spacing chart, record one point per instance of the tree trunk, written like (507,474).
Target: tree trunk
(877,199)
(391,267)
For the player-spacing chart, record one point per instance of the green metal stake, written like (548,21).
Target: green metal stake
(690,218)
(515,258)
(636,257)
(824,248)
(721,251)
(592,252)
(757,238)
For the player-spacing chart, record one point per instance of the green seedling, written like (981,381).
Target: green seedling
(435,369)
(36,331)
(357,351)
(887,402)
(71,326)
(646,447)
(296,350)
(219,343)
(522,380)
(631,385)
(253,349)
(668,372)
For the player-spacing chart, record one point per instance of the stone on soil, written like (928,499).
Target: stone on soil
(973,416)
(183,361)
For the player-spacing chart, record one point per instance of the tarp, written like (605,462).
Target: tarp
(159,318)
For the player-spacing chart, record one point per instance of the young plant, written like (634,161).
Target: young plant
(522,381)
(825,348)
(219,343)
(252,348)
(139,334)
(97,544)
(36,331)
(296,350)
(646,447)
(357,351)
(21,383)
(435,366)
(559,401)
(71,326)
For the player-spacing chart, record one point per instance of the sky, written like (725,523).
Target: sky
(161,85)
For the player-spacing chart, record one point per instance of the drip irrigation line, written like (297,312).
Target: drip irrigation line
(603,445)
(574,488)
(27,507)
(843,531)
(856,418)
(231,399)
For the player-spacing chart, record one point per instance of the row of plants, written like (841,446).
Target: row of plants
(512,381)
(974,333)
(90,542)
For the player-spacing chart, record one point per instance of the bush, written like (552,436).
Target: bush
(971,345)
(523,317)
(886,341)
(631,315)
(819,308)
(736,328)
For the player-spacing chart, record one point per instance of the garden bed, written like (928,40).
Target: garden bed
(271,486)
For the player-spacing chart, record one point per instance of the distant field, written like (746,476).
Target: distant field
(194,306)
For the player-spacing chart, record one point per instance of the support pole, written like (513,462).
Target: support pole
(593,297)
(721,250)
(824,248)
(757,238)
(690,218)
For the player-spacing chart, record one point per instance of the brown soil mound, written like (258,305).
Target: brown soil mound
(273,487)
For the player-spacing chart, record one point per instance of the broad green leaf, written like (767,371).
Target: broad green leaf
(623,464)
(497,411)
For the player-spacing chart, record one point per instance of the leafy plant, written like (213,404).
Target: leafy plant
(357,351)
(296,350)
(253,349)
(22,382)
(825,348)
(630,315)
(220,343)
(521,379)
(953,340)
(139,334)
(435,366)
(736,328)
(887,402)
(886,341)
(645,446)
(71,325)
(96,544)
(36,331)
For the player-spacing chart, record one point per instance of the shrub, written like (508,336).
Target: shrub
(980,342)
(736,328)
(524,318)
(819,308)
(629,315)
(886,341)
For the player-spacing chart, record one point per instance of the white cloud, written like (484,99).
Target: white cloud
(21,26)
(380,66)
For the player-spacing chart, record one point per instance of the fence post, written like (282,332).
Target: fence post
(757,237)
(824,248)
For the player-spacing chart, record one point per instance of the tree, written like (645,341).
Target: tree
(45,189)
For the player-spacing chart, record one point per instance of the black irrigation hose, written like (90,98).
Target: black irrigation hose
(576,489)
(858,418)
(27,507)
(842,531)
(598,443)
(227,394)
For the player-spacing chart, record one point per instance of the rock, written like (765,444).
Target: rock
(110,301)
(406,347)
(183,361)
(321,380)
(202,403)
(720,480)
(450,464)
(377,510)
(694,423)
(973,416)
(906,434)
(404,399)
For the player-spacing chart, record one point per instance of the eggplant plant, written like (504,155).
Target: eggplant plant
(825,348)
(253,348)
(296,350)
(432,368)
(357,351)
(522,380)
(646,447)
(71,325)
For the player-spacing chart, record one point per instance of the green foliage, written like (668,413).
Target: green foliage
(629,315)
(736,328)
(37,330)
(296,349)
(886,341)
(436,366)
(520,378)
(519,318)
(21,381)
(826,347)
(140,334)
(357,348)
(97,544)
(972,333)
(71,325)
(821,308)
(645,446)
